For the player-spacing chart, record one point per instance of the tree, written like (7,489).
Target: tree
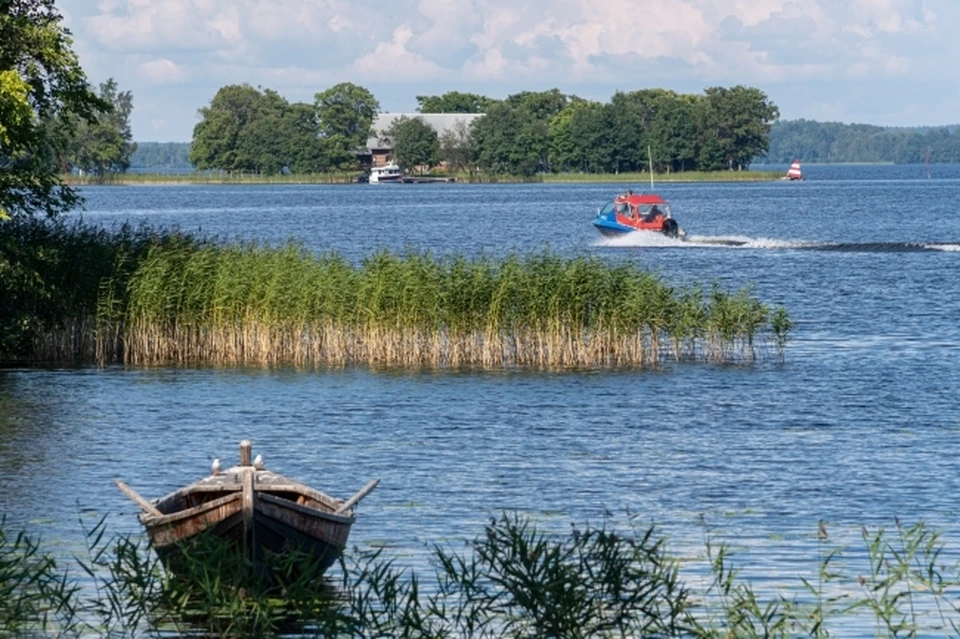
(345,114)
(628,132)
(454,102)
(40,82)
(736,126)
(510,140)
(104,146)
(457,147)
(240,131)
(543,105)
(415,143)
(305,151)
(594,138)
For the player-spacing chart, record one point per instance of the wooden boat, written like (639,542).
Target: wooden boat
(260,510)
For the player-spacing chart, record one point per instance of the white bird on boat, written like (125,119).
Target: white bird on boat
(258,462)
(215,466)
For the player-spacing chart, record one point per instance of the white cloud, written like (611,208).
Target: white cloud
(580,46)
(391,61)
(163,71)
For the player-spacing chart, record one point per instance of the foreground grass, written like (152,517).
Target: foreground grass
(140,296)
(513,581)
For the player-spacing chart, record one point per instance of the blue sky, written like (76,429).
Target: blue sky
(886,62)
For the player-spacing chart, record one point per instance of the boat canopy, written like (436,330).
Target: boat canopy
(637,203)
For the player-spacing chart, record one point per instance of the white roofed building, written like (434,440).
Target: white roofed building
(379,146)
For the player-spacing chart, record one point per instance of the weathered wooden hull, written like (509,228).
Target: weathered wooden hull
(278,526)
(264,514)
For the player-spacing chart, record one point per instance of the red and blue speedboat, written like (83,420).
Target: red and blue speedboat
(630,212)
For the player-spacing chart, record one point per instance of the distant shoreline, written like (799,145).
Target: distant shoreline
(175,179)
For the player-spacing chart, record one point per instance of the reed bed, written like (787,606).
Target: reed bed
(251,304)
(512,581)
(140,296)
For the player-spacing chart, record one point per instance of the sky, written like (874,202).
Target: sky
(883,62)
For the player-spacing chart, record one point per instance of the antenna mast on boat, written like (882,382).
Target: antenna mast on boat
(650,159)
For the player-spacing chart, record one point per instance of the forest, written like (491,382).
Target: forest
(809,140)
(834,142)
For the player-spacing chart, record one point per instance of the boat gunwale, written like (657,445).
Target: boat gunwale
(152,521)
(307,510)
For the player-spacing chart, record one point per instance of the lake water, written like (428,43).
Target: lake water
(858,426)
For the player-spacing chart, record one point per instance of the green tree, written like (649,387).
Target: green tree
(304,151)
(104,146)
(454,102)
(415,143)
(736,126)
(595,138)
(40,82)
(543,105)
(345,114)
(510,140)
(457,147)
(562,147)
(241,130)
(628,132)
(671,130)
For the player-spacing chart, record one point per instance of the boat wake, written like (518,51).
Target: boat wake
(658,240)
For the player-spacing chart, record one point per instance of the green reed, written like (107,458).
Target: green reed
(513,580)
(257,304)
(145,297)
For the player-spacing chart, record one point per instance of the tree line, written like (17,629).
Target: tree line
(249,129)
(829,142)
(809,140)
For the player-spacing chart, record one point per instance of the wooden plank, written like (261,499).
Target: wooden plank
(140,501)
(360,494)
(247,499)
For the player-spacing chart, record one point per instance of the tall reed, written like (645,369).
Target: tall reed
(140,296)
(253,304)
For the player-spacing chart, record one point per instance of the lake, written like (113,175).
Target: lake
(858,426)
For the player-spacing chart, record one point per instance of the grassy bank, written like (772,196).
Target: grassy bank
(145,297)
(513,581)
(213,177)
(240,177)
(685,176)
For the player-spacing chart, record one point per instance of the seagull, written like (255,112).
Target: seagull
(215,466)
(258,462)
